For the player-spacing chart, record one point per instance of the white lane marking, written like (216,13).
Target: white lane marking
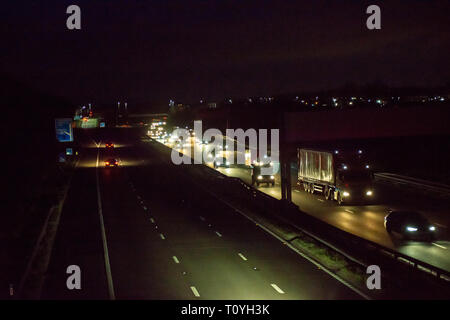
(195,291)
(111,293)
(242,256)
(201,218)
(218,233)
(297,190)
(175,259)
(438,245)
(321,200)
(162,236)
(152,220)
(277,288)
(349,211)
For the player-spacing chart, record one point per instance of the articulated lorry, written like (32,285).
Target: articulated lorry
(338,175)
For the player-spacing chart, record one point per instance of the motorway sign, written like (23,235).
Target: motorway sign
(63,127)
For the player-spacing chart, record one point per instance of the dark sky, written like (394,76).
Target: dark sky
(150,51)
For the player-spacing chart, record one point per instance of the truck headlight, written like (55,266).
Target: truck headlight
(369,193)
(432,228)
(346,194)
(259,177)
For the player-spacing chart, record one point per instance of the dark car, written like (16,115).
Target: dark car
(410,224)
(111,163)
(109,145)
(221,162)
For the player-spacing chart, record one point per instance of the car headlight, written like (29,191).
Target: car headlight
(259,177)
(432,228)
(272,177)
(369,193)
(411,229)
(228,163)
(217,163)
(346,194)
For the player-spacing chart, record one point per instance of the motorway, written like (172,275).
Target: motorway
(161,242)
(366,221)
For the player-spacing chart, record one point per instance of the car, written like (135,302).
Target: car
(111,163)
(409,224)
(109,145)
(221,162)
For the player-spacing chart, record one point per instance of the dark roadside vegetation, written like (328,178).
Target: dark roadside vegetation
(32,178)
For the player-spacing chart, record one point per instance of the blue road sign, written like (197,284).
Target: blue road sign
(63,127)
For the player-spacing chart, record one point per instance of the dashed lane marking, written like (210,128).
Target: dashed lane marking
(242,256)
(195,291)
(277,288)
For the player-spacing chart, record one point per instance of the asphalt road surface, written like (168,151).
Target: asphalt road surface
(367,221)
(162,244)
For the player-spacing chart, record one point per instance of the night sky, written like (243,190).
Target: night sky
(149,51)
